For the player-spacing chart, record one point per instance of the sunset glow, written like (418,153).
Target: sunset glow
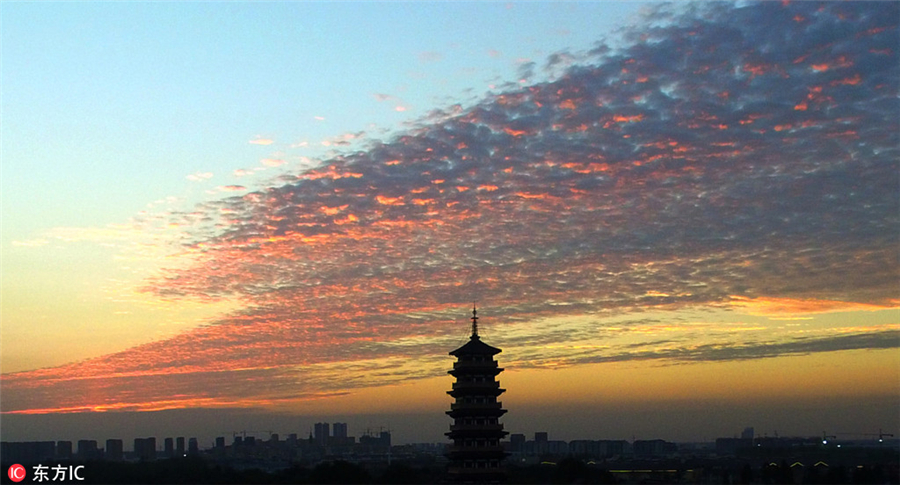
(688,208)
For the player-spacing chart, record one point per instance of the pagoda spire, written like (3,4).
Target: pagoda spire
(474,321)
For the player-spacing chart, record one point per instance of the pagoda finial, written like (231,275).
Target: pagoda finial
(474,321)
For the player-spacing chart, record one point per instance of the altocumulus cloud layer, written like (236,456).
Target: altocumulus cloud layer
(724,156)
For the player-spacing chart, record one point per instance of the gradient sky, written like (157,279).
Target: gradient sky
(287,209)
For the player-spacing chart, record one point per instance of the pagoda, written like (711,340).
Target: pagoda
(476,454)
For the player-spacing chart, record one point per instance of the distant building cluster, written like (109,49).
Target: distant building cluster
(326,442)
(144,449)
(321,444)
(527,451)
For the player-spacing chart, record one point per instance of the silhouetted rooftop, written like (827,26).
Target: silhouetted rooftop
(475,346)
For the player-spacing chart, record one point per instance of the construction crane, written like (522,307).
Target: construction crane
(880,434)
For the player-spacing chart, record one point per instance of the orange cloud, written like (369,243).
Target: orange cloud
(772,306)
(557,211)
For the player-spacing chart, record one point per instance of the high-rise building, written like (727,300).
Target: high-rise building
(145,448)
(115,450)
(339,430)
(179,446)
(541,443)
(193,446)
(517,444)
(151,448)
(321,433)
(747,434)
(476,454)
(87,450)
(169,447)
(64,450)
(376,444)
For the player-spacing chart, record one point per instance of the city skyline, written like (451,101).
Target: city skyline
(683,212)
(319,435)
(539,460)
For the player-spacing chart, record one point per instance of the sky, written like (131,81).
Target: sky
(676,221)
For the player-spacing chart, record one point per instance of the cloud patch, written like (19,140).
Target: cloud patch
(259,140)
(199,176)
(723,156)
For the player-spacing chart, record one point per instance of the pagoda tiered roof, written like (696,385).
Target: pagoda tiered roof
(475,347)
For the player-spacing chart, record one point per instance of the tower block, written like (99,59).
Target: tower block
(476,454)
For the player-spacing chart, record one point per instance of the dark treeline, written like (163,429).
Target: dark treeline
(196,470)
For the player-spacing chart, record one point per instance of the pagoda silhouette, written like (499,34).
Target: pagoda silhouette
(476,455)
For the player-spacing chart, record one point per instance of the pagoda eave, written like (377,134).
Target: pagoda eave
(476,392)
(492,371)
